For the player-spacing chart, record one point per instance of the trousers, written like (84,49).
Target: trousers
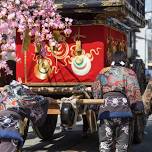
(114,135)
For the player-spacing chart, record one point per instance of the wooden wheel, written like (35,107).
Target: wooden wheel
(46,131)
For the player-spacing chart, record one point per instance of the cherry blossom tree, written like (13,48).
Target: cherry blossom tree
(35,18)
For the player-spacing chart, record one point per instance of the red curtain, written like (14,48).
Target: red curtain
(94,45)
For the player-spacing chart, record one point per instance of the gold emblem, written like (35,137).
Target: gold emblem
(42,69)
(79,59)
(81,65)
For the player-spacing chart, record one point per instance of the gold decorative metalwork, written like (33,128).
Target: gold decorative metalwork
(37,48)
(82,5)
(59,53)
(114,45)
(78,47)
(66,54)
(111,2)
(43,68)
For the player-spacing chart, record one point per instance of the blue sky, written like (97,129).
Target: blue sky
(148,5)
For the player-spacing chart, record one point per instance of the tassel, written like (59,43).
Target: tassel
(37,48)
(78,47)
(26,40)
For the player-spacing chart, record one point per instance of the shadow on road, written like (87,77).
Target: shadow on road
(147,143)
(73,141)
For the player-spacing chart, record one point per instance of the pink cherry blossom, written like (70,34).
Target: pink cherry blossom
(13,54)
(11,16)
(39,16)
(67,32)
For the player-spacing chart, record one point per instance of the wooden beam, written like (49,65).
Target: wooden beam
(58,90)
(91,101)
(54,108)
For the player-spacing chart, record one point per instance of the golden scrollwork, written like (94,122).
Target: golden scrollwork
(114,45)
(61,52)
(95,51)
(74,55)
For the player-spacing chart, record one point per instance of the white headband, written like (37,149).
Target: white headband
(121,63)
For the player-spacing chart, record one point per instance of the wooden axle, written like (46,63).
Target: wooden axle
(54,107)
(91,101)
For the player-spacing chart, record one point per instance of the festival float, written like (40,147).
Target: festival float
(60,59)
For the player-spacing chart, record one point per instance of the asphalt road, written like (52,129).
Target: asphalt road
(73,141)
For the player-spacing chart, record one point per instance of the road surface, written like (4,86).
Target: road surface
(73,141)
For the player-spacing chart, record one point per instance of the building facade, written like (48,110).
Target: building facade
(144,37)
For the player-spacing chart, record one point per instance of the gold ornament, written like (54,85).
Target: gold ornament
(42,69)
(79,59)
(37,48)
(78,48)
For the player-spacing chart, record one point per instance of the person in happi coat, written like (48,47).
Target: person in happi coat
(18,105)
(119,88)
(147,98)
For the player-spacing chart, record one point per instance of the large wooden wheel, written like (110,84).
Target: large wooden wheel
(46,131)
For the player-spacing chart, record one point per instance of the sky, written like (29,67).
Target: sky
(148,5)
